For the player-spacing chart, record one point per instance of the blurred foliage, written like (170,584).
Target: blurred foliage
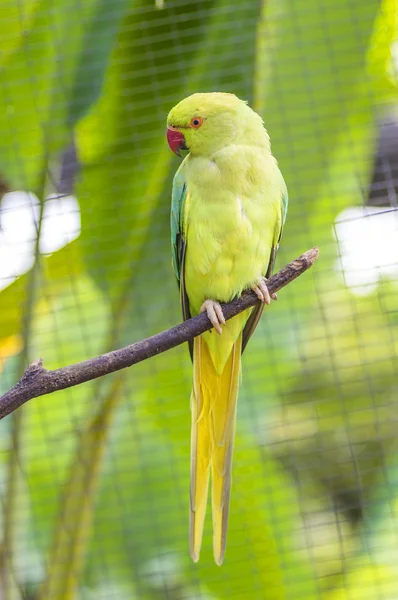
(105,465)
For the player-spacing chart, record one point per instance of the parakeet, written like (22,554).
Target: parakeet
(229,204)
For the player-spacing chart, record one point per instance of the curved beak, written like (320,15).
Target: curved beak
(176,141)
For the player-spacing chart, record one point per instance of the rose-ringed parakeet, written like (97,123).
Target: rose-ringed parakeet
(229,205)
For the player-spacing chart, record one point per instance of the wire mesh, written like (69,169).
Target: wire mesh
(95,479)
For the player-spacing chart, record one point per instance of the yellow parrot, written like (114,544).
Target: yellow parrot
(229,204)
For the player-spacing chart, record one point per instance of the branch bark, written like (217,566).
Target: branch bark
(38,381)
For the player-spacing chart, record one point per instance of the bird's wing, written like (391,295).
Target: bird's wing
(255,316)
(178,197)
(178,239)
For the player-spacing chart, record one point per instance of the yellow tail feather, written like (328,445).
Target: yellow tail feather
(213,405)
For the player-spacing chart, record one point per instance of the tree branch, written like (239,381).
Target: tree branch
(38,381)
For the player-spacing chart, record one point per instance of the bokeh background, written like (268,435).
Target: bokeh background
(94,479)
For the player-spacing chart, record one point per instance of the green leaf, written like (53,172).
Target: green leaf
(49,425)
(367,581)
(121,143)
(73,527)
(314,88)
(56,273)
(51,56)
(15,22)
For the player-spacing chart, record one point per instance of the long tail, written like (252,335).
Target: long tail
(213,406)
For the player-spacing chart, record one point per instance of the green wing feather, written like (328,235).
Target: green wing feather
(285,204)
(178,196)
(178,241)
(255,316)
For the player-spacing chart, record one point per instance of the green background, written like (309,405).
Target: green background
(94,479)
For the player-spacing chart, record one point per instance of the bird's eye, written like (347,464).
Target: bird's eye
(196,122)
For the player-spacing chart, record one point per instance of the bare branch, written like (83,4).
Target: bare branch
(38,381)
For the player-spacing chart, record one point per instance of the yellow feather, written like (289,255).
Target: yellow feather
(200,452)
(223,422)
(214,399)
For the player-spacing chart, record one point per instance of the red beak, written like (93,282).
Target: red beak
(176,141)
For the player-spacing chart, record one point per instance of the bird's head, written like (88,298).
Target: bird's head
(206,123)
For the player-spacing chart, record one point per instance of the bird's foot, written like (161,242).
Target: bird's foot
(215,314)
(261,290)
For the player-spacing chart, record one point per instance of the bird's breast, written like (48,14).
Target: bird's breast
(227,247)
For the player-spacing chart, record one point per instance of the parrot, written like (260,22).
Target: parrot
(228,209)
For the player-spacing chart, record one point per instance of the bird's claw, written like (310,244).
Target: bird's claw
(261,290)
(215,314)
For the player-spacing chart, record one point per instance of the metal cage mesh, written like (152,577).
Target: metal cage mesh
(95,479)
